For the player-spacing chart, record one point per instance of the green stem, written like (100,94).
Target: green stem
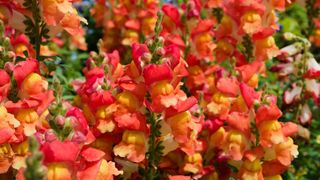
(248,48)
(156,43)
(37,21)
(218,13)
(36,28)
(154,153)
(151,169)
(186,35)
(56,109)
(34,169)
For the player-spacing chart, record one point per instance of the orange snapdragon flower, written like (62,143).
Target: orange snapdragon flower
(251,170)
(62,13)
(270,133)
(165,95)
(235,145)
(185,129)
(29,119)
(33,84)
(132,146)
(57,171)
(21,152)
(193,164)
(6,157)
(250,22)
(95,167)
(265,48)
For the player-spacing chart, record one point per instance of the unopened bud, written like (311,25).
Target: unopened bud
(288,36)
(78,137)
(93,54)
(160,51)
(50,136)
(9,66)
(6,42)
(149,42)
(146,57)
(11,54)
(161,40)
(256,104)
(60,120)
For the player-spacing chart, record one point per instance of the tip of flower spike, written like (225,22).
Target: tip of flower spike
(289,36)
(34,169)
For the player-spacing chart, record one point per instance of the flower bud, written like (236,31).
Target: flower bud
(160,51)
(60,120)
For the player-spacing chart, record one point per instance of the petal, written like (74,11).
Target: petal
(91,154)
(137,51)
(290,96)
(107,170)
(29,129)
(56,151)
(132,24)
(5,164)
(132,152)
(19,162)
(90,172)
(173,54)
(239,121)
(169,100)
(248,70)
(271,168)
(181,106)
(203,26)
(5,78)
(6,134)
(12,120)
(132,121)
(289,128)
(171,11)
(228,86)
(71,23)
(265,112)
(100,98)
(23,69)
(313,88)
(44,99)
(306,114)
(313,68)
(153,73)
(106,126)
(80,123)
(178,177)
(249,94)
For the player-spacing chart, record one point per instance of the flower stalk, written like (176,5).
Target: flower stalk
(36,28)
(34,169)
(154,152)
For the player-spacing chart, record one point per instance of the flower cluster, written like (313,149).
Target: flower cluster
(25,99)
(129,101)
(125,22)
(298,65)
(57,15)
(174,91)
